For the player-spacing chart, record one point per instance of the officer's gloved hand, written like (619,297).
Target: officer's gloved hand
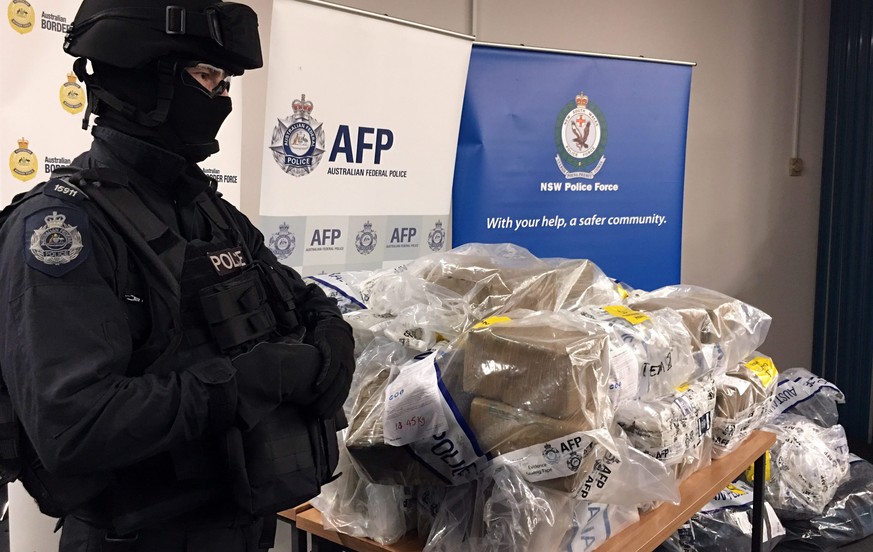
(333,337)
(274,373)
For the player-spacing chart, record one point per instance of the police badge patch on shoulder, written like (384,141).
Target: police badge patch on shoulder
(53,242)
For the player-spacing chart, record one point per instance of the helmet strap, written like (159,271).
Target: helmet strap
(97,94)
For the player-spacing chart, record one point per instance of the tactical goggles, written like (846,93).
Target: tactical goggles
(209,79)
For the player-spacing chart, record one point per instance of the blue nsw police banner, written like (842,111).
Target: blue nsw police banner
(575,156)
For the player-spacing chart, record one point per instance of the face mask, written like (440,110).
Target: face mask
(195,118)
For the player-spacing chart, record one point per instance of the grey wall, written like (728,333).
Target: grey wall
(749,230)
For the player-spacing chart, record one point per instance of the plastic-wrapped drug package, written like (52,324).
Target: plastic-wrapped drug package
(725,523)
(848,517)
(650,352)
(674,429)
(356,507)
(552,364)
(725,329)
(485,275)
(567,285)
(807,465)
(375,460)
(743,396)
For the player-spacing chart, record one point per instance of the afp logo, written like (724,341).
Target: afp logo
(283,242)
(298,140)
(580,138)
(365,241)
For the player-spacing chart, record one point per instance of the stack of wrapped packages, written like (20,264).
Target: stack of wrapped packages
(818,496)
(507,402)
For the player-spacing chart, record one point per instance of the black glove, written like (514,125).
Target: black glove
(271,374)
(333,337)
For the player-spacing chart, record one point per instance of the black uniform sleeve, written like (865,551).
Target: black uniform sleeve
(65,349)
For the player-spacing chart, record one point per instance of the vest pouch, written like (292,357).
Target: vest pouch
(237,312)
(281,462)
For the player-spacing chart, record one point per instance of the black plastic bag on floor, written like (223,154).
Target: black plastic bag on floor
(848,517)
(725,523)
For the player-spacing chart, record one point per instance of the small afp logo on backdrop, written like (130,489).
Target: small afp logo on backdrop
(23,163)
(365,241)
(72,95)
(283,242)
(580,138)
(436,238)
(21,16)
(298,140)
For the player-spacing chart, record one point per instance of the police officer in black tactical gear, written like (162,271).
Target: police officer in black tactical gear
(174,384)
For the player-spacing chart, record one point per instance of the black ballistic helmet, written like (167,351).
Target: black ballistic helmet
(128,34)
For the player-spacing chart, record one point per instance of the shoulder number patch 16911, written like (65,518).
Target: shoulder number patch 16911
(53,240)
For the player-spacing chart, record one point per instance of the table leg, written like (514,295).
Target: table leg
(298,539)
(758,504)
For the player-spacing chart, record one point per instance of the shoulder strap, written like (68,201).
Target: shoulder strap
(150,237)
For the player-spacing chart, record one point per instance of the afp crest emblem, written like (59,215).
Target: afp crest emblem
(21,16)
(365,241)
(436,238)
(72,96)
(298,140)
(283,242)
(56,242)
(580,138)
(551,454)
(574,461)
(23,163)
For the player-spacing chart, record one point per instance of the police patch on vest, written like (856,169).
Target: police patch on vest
(227,261)
(53,240)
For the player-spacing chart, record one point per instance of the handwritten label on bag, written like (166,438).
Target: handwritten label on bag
(413,410)
(763,368)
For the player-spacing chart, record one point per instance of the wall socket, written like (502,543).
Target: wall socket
(795,166)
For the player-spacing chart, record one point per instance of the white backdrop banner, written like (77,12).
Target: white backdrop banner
(362,118)
(42,103)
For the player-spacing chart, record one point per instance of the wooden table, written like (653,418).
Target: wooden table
(653,528)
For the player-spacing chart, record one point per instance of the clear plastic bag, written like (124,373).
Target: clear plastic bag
(801,392)
(593,523)
(341,286)
(807,465)
(675,428)
(650,352)
(847,518)
(375,460)
(552,364)
(356,507)
(743,397)
(500,512)
(725,330)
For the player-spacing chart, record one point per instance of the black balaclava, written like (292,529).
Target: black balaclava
(188,127)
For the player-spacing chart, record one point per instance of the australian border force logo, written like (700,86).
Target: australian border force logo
(56,242)
(298,140)
(283,242)
(580,138)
